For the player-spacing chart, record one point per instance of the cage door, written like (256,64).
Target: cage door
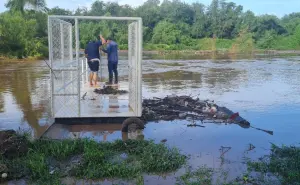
(64,71)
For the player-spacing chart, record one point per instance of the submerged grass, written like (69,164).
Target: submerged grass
(284,162)
(202,175)
(120,159)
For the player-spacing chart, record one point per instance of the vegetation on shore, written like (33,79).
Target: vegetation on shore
(283,162)
(47,161)
(170,25)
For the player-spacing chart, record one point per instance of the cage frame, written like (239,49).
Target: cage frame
(139,53)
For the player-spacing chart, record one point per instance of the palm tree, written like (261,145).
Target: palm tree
(20,5)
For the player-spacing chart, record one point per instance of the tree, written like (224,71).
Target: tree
(149,12)
(98,8)
(113,9)
(172,24)
(81,11)
(214,18)
(248,19)
(177,11)
(18,35)
(297,35)
(199,21)
(20,5)
(59,11)
(229,21)
(290,22)
(268,23)
(268,40)
(165,33)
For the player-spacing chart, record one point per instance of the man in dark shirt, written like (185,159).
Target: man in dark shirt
(112,57)
(93,55)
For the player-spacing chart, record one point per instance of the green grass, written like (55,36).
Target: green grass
(284,162)
(99,160)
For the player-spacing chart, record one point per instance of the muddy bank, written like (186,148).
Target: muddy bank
(12,145)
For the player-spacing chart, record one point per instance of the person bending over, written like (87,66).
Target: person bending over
(93,55)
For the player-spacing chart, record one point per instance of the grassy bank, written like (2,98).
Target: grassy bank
(47,161)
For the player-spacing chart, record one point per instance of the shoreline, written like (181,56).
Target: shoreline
(29,59)
(182,52)
(201,52)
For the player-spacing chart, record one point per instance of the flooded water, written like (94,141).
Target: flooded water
(265,92)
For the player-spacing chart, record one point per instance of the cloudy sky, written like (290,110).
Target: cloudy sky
(276,7)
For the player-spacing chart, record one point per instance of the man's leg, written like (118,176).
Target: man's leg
(96,69)
(91,73)
(110,72)
(91,78)
(95,77)
(115,69)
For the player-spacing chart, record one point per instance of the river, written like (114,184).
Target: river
(266,92)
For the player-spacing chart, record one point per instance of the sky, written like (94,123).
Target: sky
(259,7)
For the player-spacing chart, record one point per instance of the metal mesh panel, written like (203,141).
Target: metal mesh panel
(65,83)
(61,51)
(66,106)
(55,47)
(64,78)
(132,59)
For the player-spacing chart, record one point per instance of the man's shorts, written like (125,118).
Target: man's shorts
(94,65)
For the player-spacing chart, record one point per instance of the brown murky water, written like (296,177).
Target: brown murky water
(266,92)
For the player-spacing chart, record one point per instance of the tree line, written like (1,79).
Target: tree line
(167,25)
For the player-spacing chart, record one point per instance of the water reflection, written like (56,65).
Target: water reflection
(173,79)
(1,102)
(225,78)
(99,132)
(29,89)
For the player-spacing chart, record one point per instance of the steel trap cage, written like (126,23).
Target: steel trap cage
(69,70)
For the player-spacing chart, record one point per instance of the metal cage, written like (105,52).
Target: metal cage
(69,69)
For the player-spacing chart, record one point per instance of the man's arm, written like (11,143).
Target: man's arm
(102,39)
(107,50)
